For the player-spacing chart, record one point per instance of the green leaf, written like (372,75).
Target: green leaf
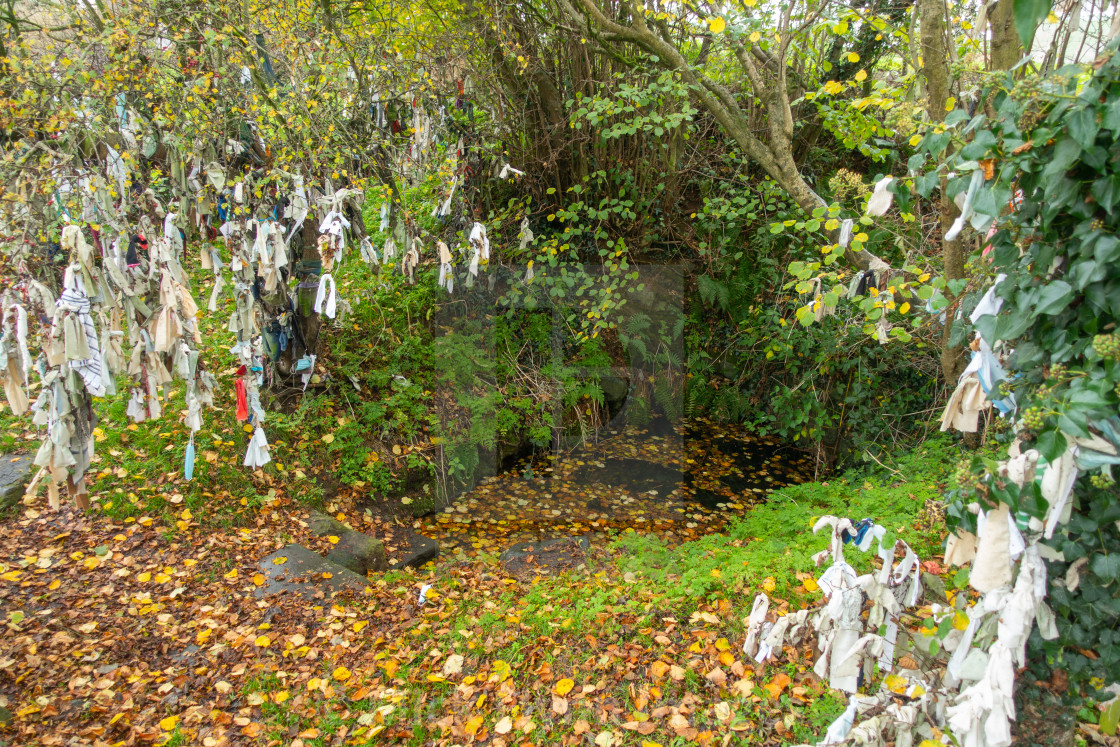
(1054,298)
(1066,152)
(979,146)
(1106,191)
(1028,14)
(1106,566)
(1088,398)
(1083,125)
(1051,444)
(1072,427)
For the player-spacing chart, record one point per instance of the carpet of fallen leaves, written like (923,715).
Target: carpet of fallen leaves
(721,471)
(138,632)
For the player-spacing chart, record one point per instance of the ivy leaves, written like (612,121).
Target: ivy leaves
(1052,158)
(1028,14)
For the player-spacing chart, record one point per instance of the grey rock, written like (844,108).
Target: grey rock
(522,549)
(15,471)
(419,551)
(322,525)
(358,552)
(615,389)
(302,573)
(546,557)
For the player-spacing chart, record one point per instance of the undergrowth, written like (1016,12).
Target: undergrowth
(769,545)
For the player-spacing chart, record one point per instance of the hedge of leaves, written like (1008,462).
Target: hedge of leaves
(1051,159)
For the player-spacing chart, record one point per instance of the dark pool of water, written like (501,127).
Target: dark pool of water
(678,481)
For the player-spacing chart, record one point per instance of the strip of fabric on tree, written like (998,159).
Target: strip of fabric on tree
(446,273)
(326,300)
(257,455)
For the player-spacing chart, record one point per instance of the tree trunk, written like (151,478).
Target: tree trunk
(1006,49)
(935,67)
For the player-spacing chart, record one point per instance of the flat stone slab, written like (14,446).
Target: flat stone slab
(15,472)
(302,573)
(546,557)
(358,552)
(410,549)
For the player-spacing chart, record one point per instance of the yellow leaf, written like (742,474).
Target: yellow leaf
(769,584)
(853,57)
(1052,17)
(960,620)
(186,515)
(232,574)
(832,87)
(92,562)
(861,76)
(397,449)
(329,438)
(280,697)
(811,584)
(168,723)
(915,140)
(247,428)
(904,307)
(54,584)
(754,37)
(895,683)
(332,539)
(280,560)
(258,579)
(143,577)
(950,103)
(775,686)
(262,641)
(359,625)
(202,636)
(341,674)
(717,25)
(473,725)
(564,686)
